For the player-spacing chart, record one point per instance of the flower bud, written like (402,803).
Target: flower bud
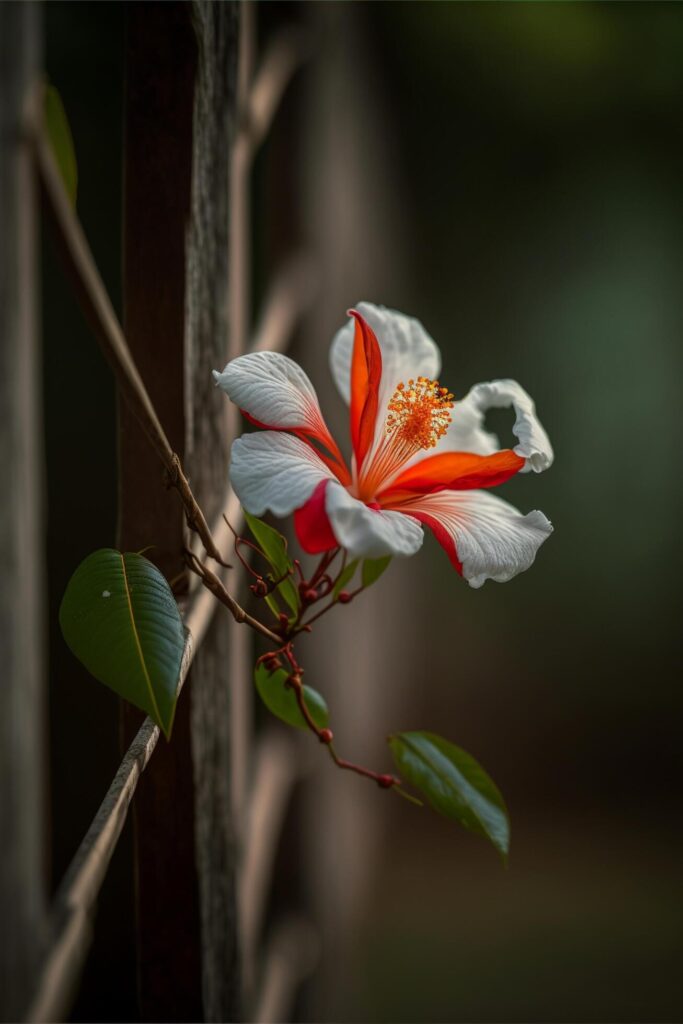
(385,781)
(325,736)
(310,595)
(344,597)
(283,624)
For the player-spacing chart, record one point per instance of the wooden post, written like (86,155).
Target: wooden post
(207,455)
(179,111)
(22,640)
(160,71)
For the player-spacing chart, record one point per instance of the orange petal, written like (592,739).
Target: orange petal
(366,374)
(456,471)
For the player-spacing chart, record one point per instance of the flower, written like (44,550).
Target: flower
(420,458)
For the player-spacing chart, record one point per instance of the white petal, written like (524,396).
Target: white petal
(407,351)
(466,433)
(367,532)
(273,389)
(274,472)
(492,539)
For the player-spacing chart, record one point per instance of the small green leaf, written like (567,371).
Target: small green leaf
(454,784)
(373,569)
(272,602)
(282,701)
(120,619)
(274,547)
(345,577)
(61,140)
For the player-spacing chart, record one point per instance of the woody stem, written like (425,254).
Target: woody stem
(294,681)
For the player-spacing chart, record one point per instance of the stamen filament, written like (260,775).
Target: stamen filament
(418,416)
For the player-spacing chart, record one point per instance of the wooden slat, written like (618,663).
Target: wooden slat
(291,293)
(207,456)
(22,695)
(160,63)
(277,767)
(292,952)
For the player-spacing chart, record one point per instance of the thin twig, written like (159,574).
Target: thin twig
(99,312)
(74,903)
(215,585)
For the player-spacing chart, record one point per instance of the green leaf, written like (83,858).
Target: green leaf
(273,604)
(119,618)
(61,140)
(373,569)
(454,784)
(274,547)
(282,701)
(346,577)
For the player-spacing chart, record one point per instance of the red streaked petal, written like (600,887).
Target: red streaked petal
(485,538)
(272,471)
(326,448)
(366,375)
(312,524)
(328,451)
(445,539)
(457,471)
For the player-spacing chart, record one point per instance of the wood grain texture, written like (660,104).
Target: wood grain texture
(22,695)
(161,58)
(206,446)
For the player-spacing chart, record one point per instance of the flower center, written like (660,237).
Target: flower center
(419,413)
(417,416)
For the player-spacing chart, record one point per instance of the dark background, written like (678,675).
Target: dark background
(533,152)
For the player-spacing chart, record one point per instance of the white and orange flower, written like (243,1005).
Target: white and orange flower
(419,457)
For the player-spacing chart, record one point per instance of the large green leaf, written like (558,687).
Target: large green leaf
(281,701)
(119,618)
(454,784)
(61,140)
(274,547)
(373,569)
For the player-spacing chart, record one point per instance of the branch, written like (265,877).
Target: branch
(215,585)
(70,925)
(99,312)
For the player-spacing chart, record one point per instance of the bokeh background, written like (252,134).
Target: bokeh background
(510,174)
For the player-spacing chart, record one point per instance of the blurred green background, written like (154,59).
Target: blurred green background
(539,160)
(535,150)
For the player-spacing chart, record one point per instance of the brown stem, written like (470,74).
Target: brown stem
(384,781)
(325,561)
(303,707)
(100,314)
(298,628)
(213,583)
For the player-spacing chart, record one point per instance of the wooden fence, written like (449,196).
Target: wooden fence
(199,103)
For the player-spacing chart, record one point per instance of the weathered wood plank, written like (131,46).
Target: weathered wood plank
(206,445)
(160,72)
(22,806)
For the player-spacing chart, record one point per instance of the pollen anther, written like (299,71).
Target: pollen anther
(419,413)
